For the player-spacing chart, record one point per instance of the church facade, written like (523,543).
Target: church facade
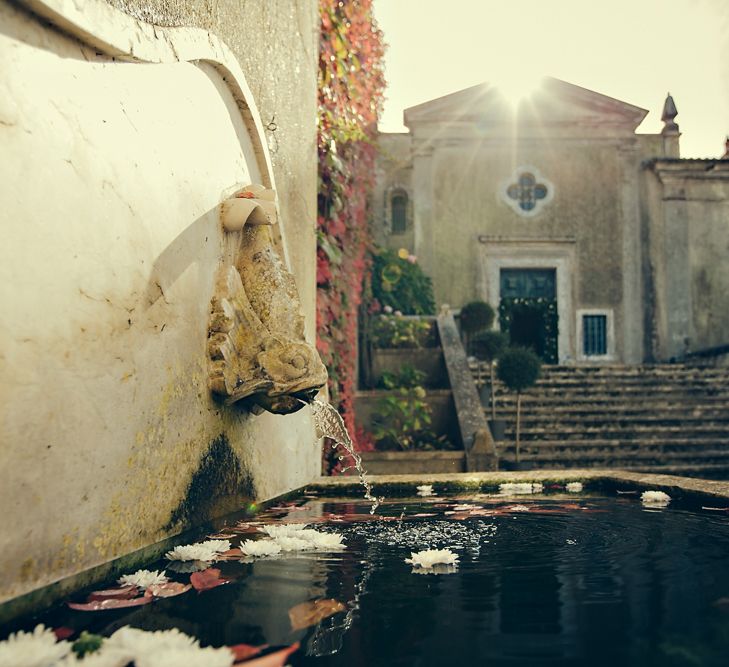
(595,244)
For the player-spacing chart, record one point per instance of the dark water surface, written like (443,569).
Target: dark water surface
(542,581)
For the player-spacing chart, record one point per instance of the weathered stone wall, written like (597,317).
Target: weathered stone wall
(686,216)
(110,180)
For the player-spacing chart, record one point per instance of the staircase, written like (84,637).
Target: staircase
(671,418)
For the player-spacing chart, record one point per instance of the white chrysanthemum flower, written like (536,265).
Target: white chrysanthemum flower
(218,546)
(190,657)
(431,557)
(33,649)
(574,487)
(260,547)
(655,498)
(293,543)
(143,578)
(327,541)
(163,648)
(102,658)
(197,551)
(425,490)
(282,530)
(520,487)
(137,642)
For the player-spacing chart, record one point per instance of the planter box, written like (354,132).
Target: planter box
(414,462)
(443,411)
(429,360)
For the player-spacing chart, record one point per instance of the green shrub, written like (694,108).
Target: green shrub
(407,376)
(398,283)
(518,368)
(401,332)
(476,316)
(488,345)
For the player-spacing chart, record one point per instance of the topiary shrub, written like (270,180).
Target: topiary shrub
(519,369)
(487,346)
(475,316)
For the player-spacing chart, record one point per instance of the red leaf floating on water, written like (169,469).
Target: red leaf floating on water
(111,603)
(166,590)
(310,613)
(207,579)
(63,632)
(121,593)
(220,536)
(244,651)
(276,659)
(231,554)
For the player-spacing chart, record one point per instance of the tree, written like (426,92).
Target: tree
(487,346)
(475,316)
(518,369)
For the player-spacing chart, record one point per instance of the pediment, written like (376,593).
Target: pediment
(554,103)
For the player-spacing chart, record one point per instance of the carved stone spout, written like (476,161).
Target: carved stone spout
(256,342)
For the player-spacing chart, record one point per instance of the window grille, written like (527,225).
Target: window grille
(594,335)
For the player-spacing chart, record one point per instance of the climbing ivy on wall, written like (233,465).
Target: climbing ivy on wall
(351,86)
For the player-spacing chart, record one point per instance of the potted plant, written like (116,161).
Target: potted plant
(518,368)
(487,346)
(475,316)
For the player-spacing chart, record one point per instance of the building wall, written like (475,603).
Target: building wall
(111,176)
(687,217)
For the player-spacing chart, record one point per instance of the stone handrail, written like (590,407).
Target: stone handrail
(475,434)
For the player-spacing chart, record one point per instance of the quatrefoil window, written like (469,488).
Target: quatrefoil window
(526,191)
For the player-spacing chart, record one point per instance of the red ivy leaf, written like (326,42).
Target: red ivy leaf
(63,632)
(121,593)
(166,590)
(276,659)
(244,651)
(111,603)
(207,579)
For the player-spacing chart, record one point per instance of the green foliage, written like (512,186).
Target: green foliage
(518,368)
(401,415)
(488,345)
(476,316)
(87,643)
(407,376)
(401,332)
(399,283)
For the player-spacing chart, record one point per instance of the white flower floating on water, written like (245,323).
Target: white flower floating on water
(33,649)
(520,487)
(655,498)
(283,530)
(425,490)
(574,487)
(519,508)
(162,649)
(297,537)
(293,543)
(260,547)
(143,578)
(204,551)
(430,557)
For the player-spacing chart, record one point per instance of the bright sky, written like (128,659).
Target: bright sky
(633,50)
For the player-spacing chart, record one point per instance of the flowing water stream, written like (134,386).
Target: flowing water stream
(329,424)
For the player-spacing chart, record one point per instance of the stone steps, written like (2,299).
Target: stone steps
(650,418)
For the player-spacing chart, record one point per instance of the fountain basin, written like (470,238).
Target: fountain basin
(555,578)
